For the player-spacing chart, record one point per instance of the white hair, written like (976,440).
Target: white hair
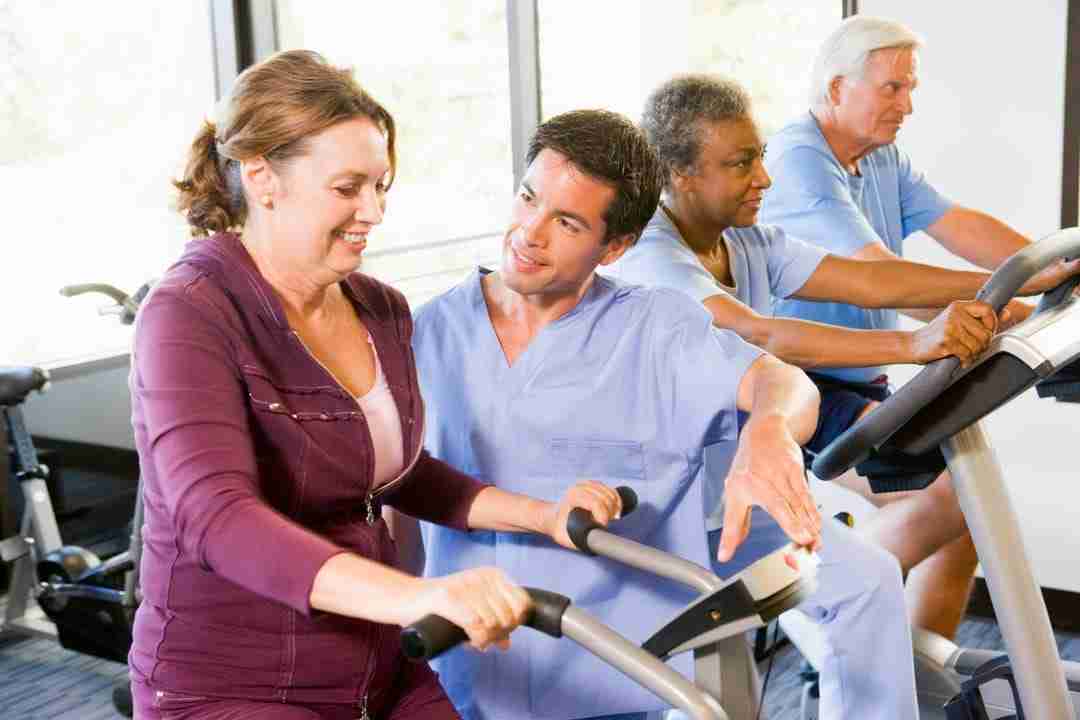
(847,49)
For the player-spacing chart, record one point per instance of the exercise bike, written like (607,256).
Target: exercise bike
(713,626)
(84,603)
(942,406)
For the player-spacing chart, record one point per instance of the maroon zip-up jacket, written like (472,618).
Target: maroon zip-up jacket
(256,469)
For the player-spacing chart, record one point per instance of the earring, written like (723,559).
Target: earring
(267,201)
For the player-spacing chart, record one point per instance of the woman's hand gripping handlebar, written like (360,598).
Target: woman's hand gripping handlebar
(433,635)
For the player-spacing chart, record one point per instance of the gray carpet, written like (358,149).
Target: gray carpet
(40,680)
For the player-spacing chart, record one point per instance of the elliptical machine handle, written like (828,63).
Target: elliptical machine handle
(581,522)
(855,444)
(432,635)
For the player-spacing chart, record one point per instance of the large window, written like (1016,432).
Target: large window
(767,45)
(442,73)
(96,111)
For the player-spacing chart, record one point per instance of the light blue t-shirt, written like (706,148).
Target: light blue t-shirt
(814,197)
(766,263)
(626,389)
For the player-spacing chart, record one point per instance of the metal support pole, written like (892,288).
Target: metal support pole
(1018,602)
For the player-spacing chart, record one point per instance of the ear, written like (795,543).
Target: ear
(680,182)
(835,87)
(259,178)
(616,247)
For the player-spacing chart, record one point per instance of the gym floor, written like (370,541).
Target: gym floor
(41,680)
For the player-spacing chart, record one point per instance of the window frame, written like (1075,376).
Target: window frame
(244,32)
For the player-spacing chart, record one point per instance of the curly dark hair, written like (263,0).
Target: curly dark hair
(675,110)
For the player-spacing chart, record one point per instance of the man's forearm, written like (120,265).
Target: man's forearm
(782,392)
(889,282)
(979,238)
(900,283)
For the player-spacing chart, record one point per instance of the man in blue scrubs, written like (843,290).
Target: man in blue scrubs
(840,181)
(543,373)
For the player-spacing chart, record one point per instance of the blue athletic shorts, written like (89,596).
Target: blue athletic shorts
(841,404)
(887,469)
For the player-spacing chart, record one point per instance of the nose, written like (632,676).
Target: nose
(532,230)
(370,206)
(761,175)
(906,104)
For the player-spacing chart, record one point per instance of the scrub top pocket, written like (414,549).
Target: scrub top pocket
(608,461)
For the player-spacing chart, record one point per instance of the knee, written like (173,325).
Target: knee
(883,569)
(864,563)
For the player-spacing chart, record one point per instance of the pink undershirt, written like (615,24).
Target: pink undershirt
(384,423)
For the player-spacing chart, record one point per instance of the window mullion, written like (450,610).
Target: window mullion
(524,52)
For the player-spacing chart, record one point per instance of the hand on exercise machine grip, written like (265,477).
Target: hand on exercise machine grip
(581,522)
(432,635)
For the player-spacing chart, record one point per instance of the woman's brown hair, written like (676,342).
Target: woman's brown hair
(274,107)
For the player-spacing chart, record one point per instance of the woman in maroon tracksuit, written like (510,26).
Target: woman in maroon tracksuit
(276,410)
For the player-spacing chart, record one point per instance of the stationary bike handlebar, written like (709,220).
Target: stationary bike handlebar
(856,443)
(127,306)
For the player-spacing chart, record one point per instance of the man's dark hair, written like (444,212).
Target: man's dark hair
(608,147)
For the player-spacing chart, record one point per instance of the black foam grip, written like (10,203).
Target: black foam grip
(433,635)
(429,637)
(581,522)
(854,445)
(16,382)
(547,612)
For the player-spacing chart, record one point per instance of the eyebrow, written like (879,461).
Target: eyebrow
(564,213)
(350,174)
(749,149)
(354,175)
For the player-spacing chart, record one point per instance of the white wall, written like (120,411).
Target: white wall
(987,130)
(93,408)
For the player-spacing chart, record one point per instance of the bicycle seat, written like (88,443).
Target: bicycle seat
(16,382)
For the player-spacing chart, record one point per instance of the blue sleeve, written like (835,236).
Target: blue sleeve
(700,365)
(810,198)
(791,261)
(920,204)
(656,263)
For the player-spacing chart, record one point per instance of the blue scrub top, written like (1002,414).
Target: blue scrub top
(766,264)
(815,198)
(626,389)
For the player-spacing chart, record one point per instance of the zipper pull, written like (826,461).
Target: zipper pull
(363,709)
(370,516)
